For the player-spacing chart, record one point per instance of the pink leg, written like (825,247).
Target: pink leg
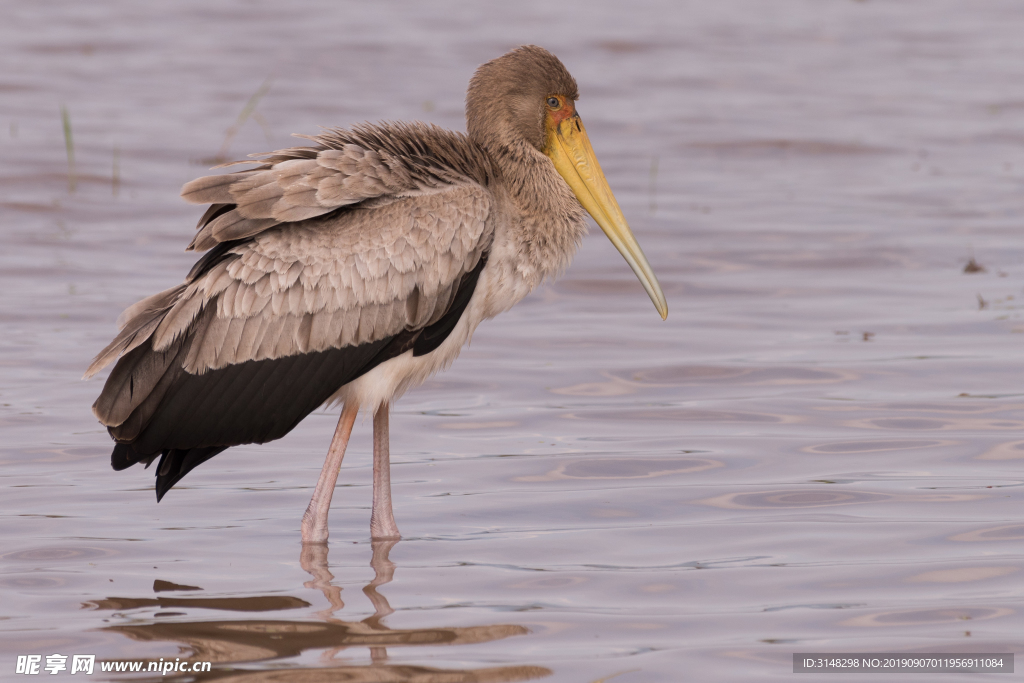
(382,520)
(314,522)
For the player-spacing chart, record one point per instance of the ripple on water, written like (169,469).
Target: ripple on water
(794,499)
(718,375)
(616,387)
(1006,532)
(32,581)
(877,446)
(956,408)
(961,574)
(921,617)
(58,554)
(689,415)
(465,426)
(550,582)
(812,498)
(624,468)
(1012,450)
(935,424)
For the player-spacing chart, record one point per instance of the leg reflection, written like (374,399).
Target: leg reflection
(313,559)
(243,636)
(384,572)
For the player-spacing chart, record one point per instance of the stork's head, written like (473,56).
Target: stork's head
(528,96)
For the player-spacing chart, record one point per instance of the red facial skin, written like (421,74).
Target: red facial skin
(567,110)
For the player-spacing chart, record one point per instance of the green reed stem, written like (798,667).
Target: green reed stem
(69,144)
(246,112)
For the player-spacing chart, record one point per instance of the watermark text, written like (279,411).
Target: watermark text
(33,665)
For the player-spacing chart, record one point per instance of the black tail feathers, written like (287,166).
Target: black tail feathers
(175,463)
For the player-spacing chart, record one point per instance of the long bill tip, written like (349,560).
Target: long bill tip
(570,151)
(651,285)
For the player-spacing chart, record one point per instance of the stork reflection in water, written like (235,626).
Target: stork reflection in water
(354,269)
(240,633)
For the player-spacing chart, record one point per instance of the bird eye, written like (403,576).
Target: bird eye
(554,102)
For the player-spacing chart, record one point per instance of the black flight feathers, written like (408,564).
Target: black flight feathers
(199,416)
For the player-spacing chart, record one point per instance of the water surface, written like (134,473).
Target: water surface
(820,450)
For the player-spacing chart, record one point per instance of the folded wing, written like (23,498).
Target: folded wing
(333,264)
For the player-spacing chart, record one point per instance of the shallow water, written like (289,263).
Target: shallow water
(820,450)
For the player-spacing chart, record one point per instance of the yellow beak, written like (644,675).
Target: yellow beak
(569,148)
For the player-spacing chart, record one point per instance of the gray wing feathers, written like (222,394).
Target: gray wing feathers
(347,167)
(303,276)
(213,189)
(295,190)
(330,282)
(335,282)
(137,324)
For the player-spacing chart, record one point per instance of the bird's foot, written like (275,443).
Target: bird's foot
(383,528)
(314,530)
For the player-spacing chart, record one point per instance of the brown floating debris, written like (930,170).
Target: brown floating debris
(974,267)
(159,586)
